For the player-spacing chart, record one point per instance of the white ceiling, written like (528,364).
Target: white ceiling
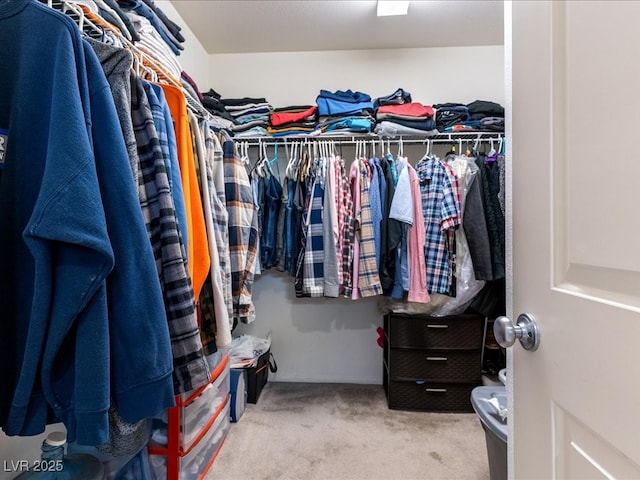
(239,26)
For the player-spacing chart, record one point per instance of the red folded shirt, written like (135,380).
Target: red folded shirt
(282,118)
(409,109)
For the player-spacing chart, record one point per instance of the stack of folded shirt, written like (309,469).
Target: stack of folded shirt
(250,116)
(489,114)
(212,102)
(405,119)
(295,120)
(344,111)
(454,117)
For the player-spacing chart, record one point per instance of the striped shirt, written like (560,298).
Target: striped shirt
(243,233)
(346,228)
(215,176)
(190,369)
(313,278)
(368,278)
(217,226)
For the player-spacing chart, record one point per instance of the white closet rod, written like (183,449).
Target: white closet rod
(450,138)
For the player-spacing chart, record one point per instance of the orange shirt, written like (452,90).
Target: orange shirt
(197,248)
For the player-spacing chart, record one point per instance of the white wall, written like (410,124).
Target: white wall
(334,340)
(431,75)
(194,58)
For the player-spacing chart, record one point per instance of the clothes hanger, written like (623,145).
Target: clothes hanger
(325,159)
(274,160)
(428,152)
(265,168)
(289,170)
(245,157)
(492,156)
(256,166)
(400,148)
(492,151)
(288,157)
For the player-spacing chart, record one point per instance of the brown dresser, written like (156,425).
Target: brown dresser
(432,363)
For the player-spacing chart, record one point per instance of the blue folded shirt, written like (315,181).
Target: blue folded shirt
(357,124)
(343,103)
(345,96)
(329,107)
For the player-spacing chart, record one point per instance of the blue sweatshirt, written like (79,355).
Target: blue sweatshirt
(81,308)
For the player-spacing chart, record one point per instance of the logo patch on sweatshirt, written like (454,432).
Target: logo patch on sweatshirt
(4,138)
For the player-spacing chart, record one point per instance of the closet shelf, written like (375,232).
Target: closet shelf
(353,138)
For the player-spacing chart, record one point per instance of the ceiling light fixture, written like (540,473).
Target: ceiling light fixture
(387,8)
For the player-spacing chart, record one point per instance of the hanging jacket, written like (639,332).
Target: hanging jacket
(73,240)
(197,248)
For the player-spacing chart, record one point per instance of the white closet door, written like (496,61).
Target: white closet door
(576,228)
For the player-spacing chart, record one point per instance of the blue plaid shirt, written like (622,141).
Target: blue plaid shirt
(441,210)
(313,279)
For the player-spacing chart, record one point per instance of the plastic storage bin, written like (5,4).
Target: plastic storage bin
(186,441)
(495,428)
(196,412)
(195,464)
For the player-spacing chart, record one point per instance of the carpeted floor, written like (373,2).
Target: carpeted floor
(307,431)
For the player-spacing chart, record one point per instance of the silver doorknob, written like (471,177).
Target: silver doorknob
(526,330)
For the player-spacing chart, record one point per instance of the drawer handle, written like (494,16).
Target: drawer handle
(436,359)
(436,390)
(437,326)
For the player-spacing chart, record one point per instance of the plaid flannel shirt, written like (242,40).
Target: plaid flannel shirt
(190,368)
(215,176)
(346,228)
(243,233)
(451,233)
(441,210)
(313,278)
(368,278)
(217,233)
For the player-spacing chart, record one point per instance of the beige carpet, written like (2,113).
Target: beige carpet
(307,431)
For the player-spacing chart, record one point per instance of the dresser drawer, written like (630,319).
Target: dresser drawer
(435,365)
(430,397)
(421,331)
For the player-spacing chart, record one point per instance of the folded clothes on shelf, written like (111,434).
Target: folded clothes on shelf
(449,114)
(282,116)
(414,109)
(396,98)
(343,103)
(482,108)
